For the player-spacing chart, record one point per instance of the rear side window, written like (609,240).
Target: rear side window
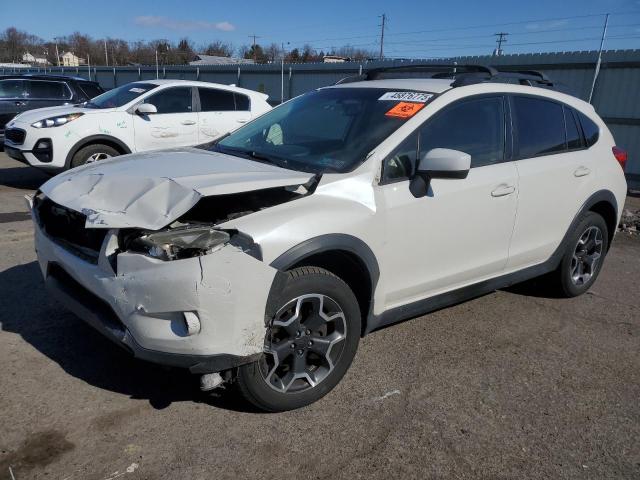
(574,138)
(540,126)
(242,102)
(473,126)
(212,100)
(11,89)
(172,100)
(42,89)
(590,129)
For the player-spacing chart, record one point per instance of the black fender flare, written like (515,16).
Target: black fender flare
(593,199)
(94,139)
(324,243)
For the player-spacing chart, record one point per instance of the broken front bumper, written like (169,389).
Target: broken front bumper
(141,304)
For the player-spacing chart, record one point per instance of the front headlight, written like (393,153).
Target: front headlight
(181,242)
(56,121)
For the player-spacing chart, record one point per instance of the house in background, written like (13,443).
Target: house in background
(69,59)
(201,59)
(29,59)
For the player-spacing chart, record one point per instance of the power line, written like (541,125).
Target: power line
(483,36)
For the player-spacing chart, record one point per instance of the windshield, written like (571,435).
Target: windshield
(328,130)
(120,96)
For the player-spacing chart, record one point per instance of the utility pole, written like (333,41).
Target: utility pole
(502,37)
(382,25)
(282,74)
(255,55)
(597,71)
(57,54)
(106,58)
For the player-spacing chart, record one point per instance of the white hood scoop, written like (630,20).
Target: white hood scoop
(151,190)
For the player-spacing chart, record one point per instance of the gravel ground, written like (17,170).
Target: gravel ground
(510,385)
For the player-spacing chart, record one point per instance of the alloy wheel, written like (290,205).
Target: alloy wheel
(304,343)
(97,157)
(586,255)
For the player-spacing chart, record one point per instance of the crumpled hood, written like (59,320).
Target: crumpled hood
(150,190)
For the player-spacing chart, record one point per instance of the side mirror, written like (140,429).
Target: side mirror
(146,109)
(439,163)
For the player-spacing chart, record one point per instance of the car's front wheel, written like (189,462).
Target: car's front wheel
(93,153)
(310,343)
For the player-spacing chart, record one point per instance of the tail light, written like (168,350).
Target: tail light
(621,156)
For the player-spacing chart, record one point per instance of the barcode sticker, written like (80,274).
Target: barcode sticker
(406,97)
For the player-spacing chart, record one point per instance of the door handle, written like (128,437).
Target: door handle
(242,121)
(581,172)
(19,103)
(188,122)
(503,190)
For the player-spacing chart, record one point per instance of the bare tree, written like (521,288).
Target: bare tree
(13,44)
(218,49)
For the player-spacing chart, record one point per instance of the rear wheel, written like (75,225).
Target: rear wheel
(583,257)
(310,342)
(93,153)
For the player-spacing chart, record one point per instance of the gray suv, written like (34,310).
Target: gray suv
(19,93)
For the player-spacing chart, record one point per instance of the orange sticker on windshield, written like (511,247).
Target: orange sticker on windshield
(405,110)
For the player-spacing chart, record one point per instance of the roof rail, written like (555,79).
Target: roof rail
(464,75)
(446,70)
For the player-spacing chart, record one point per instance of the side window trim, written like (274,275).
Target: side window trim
(164,90)
(565,108)
(508,147)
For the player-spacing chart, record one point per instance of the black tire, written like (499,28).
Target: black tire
(563,277)
(301,283)
(85,153)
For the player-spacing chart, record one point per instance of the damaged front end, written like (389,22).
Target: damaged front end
(196,233)
(190,294)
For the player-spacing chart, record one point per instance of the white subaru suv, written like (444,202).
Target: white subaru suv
(139,116)
(262,258)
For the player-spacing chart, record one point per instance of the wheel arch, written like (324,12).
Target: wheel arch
(602,202)
(113,142)
(345,256)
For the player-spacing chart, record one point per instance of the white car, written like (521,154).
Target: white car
(139,116)
(264,258)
